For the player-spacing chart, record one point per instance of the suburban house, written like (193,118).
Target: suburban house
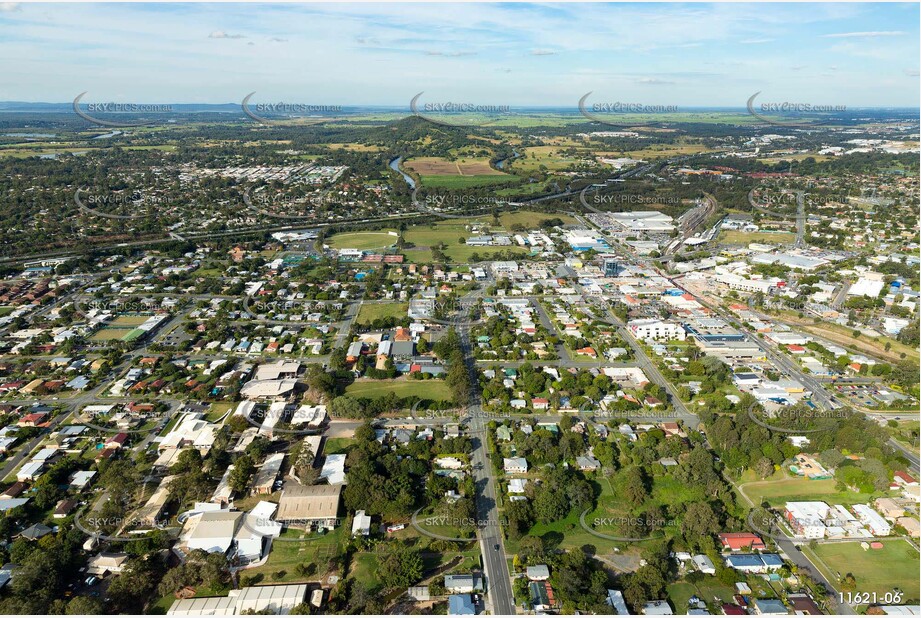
(515,465)
(736,541)
(464,583)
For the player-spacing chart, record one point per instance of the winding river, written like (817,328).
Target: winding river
(395,166)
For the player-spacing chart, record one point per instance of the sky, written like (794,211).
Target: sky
(516,54)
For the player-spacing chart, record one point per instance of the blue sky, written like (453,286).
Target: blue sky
(497,54)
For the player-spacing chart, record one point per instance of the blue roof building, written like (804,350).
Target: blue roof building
(461,605)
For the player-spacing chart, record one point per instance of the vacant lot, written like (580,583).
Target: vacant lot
(370,312)
(736,237)
(435,390)
(895,566)
(530,219)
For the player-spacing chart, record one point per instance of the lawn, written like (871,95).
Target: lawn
(364,570)
(427,389)
(680,592)
(800,489)
(218,410)
(363,240)
(286,555)
(876,570)
(370,312)
(736,237)
(334,446)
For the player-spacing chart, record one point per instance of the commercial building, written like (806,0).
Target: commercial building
(309,506)
(252,600)
(652,329)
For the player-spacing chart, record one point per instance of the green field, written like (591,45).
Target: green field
(128,321)
(530,218)
(464,182)
(334,446)
(109,334)
(550,158)
(370,312)
(463,253)
(285,556)
(876,570)
(364,570)
(681,591)
(427,389)
(736,237)
(219,409)
(449,232)
(362,240)
(800,489)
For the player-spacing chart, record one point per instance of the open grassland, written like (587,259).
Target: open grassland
(549,157)
(355,147)
(531,219)
(655,151)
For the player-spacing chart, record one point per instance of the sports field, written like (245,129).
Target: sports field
(895,566)
(800,489)
(363,240)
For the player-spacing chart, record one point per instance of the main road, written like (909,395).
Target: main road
(492,546)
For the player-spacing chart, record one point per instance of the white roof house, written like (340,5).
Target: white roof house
(30,471)
(334,469)
(513,465)
(361,524)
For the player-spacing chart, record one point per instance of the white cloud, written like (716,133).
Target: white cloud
(220,34)
(863,35)
(9,7)
(543,52)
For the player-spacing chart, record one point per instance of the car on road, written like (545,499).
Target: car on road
(497,546)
